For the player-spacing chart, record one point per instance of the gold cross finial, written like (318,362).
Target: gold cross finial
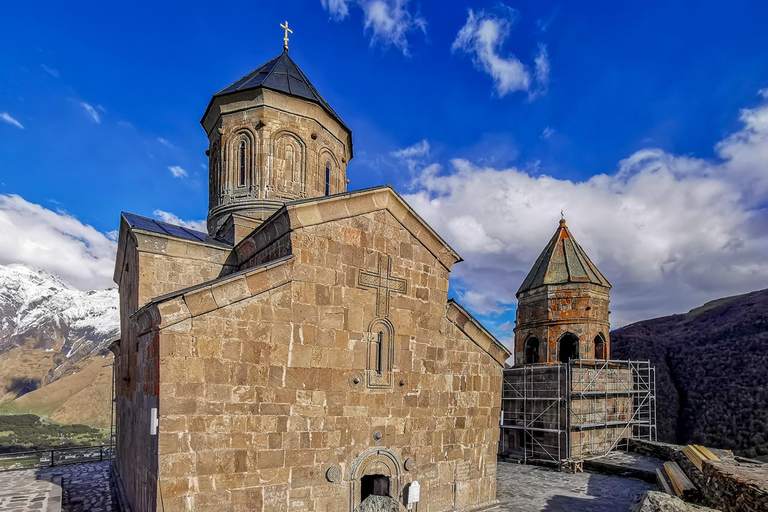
(284,26)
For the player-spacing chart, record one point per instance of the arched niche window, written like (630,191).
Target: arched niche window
(600,352)
(568,347)
(327,178)
(288,155)
(532,350)
(216,185)
(242,161)
(381,337)
(241,158)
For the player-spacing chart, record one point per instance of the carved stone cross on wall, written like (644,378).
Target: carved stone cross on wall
(384,283)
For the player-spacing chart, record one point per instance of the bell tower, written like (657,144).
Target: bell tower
(272,139)
(562,308)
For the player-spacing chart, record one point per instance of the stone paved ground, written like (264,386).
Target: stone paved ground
(20,491)
(521,489)
(85,488)
(534,489)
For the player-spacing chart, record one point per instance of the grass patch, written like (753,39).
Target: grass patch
(23,432)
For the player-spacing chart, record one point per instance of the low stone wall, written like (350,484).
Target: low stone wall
(662,451)
(736,487)
(727,484)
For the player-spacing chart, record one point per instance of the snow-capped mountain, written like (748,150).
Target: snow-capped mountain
(39,310)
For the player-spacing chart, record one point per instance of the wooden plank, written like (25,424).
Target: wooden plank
(663,482)
(694,456)
(708,454)
(680,482)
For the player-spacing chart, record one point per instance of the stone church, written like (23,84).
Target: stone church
(303,353)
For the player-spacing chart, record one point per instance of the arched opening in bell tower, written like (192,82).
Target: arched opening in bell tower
(600,347)
(568,347)
(532,350)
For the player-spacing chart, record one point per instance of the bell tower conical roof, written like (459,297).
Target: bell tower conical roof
(562,261)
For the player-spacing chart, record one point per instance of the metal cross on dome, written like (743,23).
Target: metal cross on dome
(284,26)
(384,283)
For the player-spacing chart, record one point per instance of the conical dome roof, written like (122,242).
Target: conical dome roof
(280,74)
(562,261)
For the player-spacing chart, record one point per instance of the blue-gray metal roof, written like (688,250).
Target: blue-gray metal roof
(157,226)
(283,75)
(562,261)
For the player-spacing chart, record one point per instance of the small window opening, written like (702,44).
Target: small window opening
(380,354)
(328,178)
(242,162)
(376,485)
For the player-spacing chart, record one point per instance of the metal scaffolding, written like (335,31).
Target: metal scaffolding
(575,411)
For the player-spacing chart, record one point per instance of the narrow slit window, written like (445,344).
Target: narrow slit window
(328,178)
(242,162)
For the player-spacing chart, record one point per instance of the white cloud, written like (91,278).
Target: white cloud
(54,73)
(542,67)
(197,225)
(56,242)
(413,156)
(387,21)
(165,142)
(5,116)
(92,112)
(670,232)
(547,132)
(420,149)
(338,9)
(177,171)
(482,37)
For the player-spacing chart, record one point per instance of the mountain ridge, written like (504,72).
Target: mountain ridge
(711,369)
(49,332)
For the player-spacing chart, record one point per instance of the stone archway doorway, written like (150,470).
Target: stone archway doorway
(375,474)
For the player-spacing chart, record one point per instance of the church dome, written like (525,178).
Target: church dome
(273,139)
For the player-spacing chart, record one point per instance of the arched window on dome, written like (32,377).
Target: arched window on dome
(242,157)
(327,178)
(532,350)
(600,352)
(568,347)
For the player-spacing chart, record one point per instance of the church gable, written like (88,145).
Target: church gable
(271,238)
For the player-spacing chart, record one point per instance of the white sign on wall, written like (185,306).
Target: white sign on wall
(153,421)
(414,493)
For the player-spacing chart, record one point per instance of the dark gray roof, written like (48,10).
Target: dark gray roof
(562,261)
(157,226)
(283,75)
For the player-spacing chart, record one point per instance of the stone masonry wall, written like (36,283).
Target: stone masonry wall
(263,392)
(151,265)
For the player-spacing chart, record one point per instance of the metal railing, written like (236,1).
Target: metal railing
(54,457)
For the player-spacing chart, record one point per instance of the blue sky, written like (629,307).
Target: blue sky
(100,106)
